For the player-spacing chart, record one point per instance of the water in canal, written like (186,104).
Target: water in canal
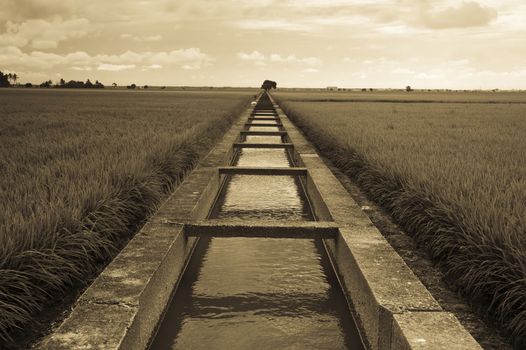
(258,121)
(263,139)
(253,157)
(263,128)
(259,293)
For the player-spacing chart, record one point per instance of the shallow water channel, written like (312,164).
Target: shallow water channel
(259,293)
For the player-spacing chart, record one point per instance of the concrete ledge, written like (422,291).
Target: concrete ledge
(378,282)
(263,133)
(123,306)
(262,145)
(237,170)
(263,118)
(263,124)
(434,330)
(255,229)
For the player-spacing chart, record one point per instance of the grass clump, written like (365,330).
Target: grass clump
(455,181)
(80,171)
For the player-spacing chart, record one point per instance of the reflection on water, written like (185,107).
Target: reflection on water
(262,157)
(258,293)
(263,139)
(262,197)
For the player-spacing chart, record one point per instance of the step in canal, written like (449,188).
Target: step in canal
(260,247)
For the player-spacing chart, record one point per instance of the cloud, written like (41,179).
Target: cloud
(253,56)
(30,9)
(403,71)
(152,66)
(78,58)
(288,35)
(191,58)
(139,38)
(42,34)
(273,24)
(427,76)
(125,57)
(349,60)
(260,59)
(13,58)
(188,59)
(468,14)
(85,68)
(310,70)
(115,67)
(310,61)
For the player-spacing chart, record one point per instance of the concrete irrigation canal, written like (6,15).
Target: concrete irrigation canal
(260,248)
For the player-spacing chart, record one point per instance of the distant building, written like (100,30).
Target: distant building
(332,88)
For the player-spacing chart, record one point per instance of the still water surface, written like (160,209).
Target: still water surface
(258,293)
(263,128)
(261,157)
(263,198)
(257,121)
(263,139)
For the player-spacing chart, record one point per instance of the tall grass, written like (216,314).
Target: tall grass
(80,171)
(453,175)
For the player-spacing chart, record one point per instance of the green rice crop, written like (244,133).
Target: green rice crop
(452,174)
(79,171)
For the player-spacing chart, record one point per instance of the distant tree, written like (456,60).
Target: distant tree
(132,86)
(370,89)
(364,89)
(408,88)
(72,84)
(46,84)
(269,84)
(163,87)
(114,85)
(28,85)
(4,80)
(145,87)
(15,77)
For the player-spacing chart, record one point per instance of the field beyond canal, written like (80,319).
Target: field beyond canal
(450,168)
(80,171)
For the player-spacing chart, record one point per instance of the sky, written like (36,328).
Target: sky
(298,43)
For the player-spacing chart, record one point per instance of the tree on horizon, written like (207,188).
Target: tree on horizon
(4,80)
(269,84)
